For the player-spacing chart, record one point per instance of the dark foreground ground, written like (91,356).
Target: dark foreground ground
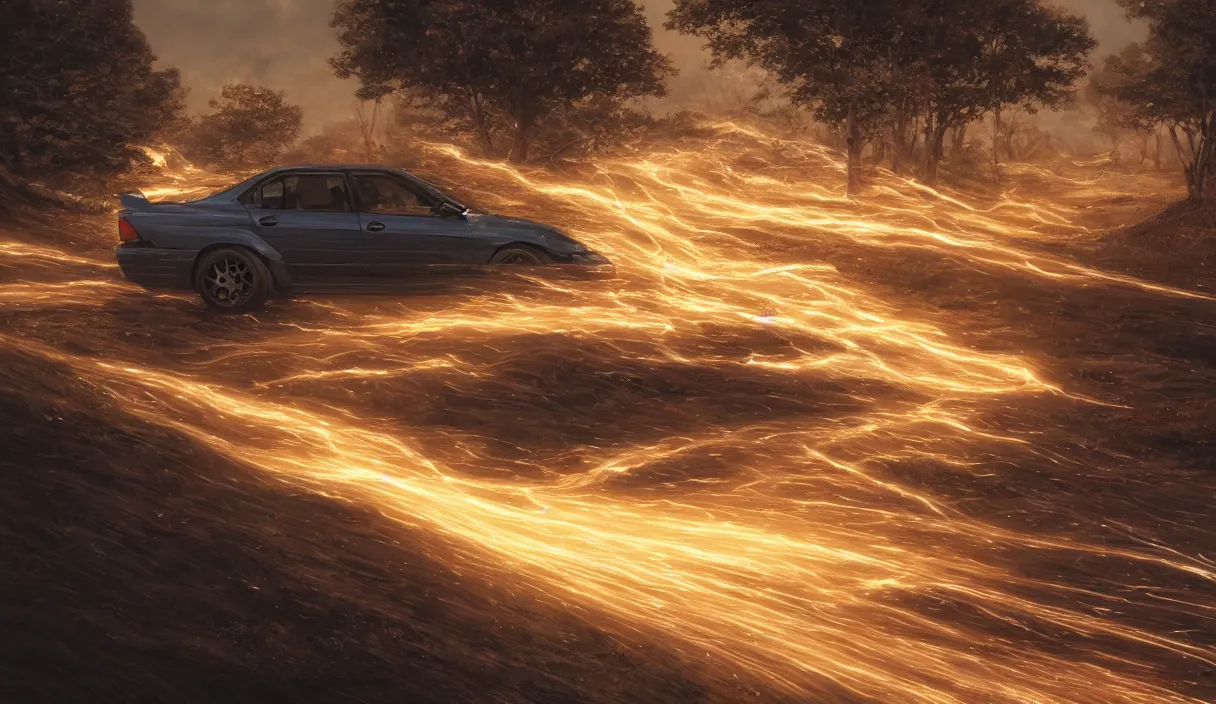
(139,564)
(140,567)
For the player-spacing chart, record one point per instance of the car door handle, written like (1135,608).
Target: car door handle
(269,221)
(375,226)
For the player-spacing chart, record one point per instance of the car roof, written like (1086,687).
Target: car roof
(233,193)
(333,167)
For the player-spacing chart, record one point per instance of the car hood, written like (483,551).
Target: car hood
(552,237)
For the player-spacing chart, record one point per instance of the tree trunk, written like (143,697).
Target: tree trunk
(524,119)
(879,146)
(935,138)
(1203,163)
(898,147)
(368,129)
(520,141)
(480,124)
(928,165)
(1011,131)
(1157,151)
(996,141)
(899,137)
(1186,170)
(957,136)
(519,146)
(855,145)
(1196,159)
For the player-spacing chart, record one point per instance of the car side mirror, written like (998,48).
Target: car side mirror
(447,210)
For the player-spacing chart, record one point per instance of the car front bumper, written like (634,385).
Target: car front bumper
(593,262)
(154,267)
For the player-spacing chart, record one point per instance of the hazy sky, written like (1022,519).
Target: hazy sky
(284,44)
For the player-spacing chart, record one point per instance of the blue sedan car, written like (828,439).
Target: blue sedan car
(323,225)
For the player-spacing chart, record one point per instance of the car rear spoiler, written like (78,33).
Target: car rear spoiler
(135,201)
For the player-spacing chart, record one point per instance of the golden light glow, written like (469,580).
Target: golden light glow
(779,542)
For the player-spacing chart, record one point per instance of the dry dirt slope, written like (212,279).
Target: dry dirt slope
(135,566)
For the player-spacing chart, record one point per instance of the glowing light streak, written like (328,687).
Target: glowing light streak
(805,563)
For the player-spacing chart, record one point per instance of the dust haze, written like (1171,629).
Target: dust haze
(284,44)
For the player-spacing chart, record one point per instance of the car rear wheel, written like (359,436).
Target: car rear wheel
(233,280)
(521,256)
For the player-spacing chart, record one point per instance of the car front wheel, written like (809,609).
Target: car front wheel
(232,280)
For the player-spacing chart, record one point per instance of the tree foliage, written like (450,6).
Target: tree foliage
(832,55)
(1115,118)
(1172,80)
(77,86)
(247,126)
(864,64)
(980,57)
(512,61)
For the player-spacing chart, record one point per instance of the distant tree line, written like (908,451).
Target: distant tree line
(79,90)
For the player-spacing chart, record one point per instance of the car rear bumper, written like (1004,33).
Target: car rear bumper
(154,267)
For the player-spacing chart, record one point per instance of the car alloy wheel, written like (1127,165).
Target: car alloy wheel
(229,282)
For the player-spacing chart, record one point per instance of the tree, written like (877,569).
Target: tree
(1173,81)
(1116,118)
(77,87)
(590,126)
(862,63)
(512,61)
(248,125)
(832,55)
(978,57)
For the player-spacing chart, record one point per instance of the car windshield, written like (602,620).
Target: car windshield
(444,195)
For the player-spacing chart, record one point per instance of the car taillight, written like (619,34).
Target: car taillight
(126,232)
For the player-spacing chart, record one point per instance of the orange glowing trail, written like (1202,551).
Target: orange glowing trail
(806,564)
(898,214)
(811,589)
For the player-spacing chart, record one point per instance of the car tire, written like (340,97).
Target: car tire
(520,255)
(232,280)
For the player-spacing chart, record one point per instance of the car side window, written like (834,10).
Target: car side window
(316,193)
(388,196)
(269,196)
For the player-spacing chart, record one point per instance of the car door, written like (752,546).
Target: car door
(309,218)
(401,232)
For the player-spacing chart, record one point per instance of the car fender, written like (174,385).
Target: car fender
(250,240)
(197,227)
(493,232)
(242,238)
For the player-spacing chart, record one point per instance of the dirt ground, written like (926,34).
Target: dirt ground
(977,468)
